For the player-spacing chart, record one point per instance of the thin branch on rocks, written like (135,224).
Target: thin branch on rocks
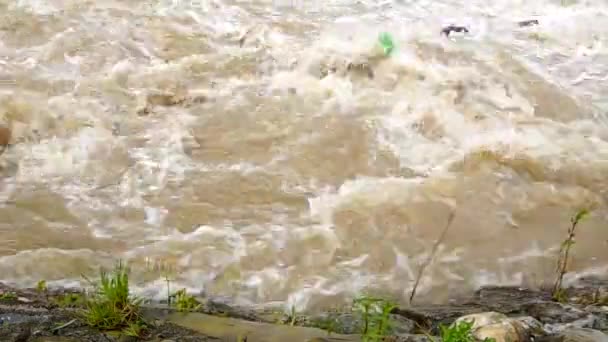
(64,325)
(428,261)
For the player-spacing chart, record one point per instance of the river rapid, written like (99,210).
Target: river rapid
(228,146)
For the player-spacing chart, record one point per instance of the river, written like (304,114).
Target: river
(228,146)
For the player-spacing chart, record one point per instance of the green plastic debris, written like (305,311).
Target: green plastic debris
(386,43)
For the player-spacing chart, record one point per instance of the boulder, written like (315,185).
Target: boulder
(502,328)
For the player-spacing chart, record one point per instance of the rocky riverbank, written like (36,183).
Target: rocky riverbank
(505,314)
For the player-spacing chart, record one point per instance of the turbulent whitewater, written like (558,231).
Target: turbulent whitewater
(262,151)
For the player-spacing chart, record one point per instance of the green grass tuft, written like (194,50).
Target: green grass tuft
(111,307)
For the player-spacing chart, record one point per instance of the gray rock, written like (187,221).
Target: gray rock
(402,325)
(532,326)
(15,318)
(530,322)
(553,312)
(590,321)
(601,317)
(349,323)
(577,335)
(342,323)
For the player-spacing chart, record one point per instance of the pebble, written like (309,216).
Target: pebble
(24,300)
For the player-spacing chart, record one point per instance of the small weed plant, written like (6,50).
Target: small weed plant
(564,255)
(8,296)
(134,329)
(41,286)
(111,307)
(460,332)
(375,313)
(185,302)
(291,318)
(69,300)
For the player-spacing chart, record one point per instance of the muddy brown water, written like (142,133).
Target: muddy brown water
(257,174)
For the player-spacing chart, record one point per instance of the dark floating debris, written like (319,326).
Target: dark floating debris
(526,23)
(5,138)
(453,28)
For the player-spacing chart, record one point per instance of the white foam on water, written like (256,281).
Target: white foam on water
(128,185)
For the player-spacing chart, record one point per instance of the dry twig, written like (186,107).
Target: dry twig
(428,261)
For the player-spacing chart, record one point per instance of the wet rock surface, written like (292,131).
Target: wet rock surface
(582,305)
(502,313)
(27,315)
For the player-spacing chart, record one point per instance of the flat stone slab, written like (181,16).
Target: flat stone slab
(229,329)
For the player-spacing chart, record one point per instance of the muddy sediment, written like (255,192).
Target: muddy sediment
(504,313)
